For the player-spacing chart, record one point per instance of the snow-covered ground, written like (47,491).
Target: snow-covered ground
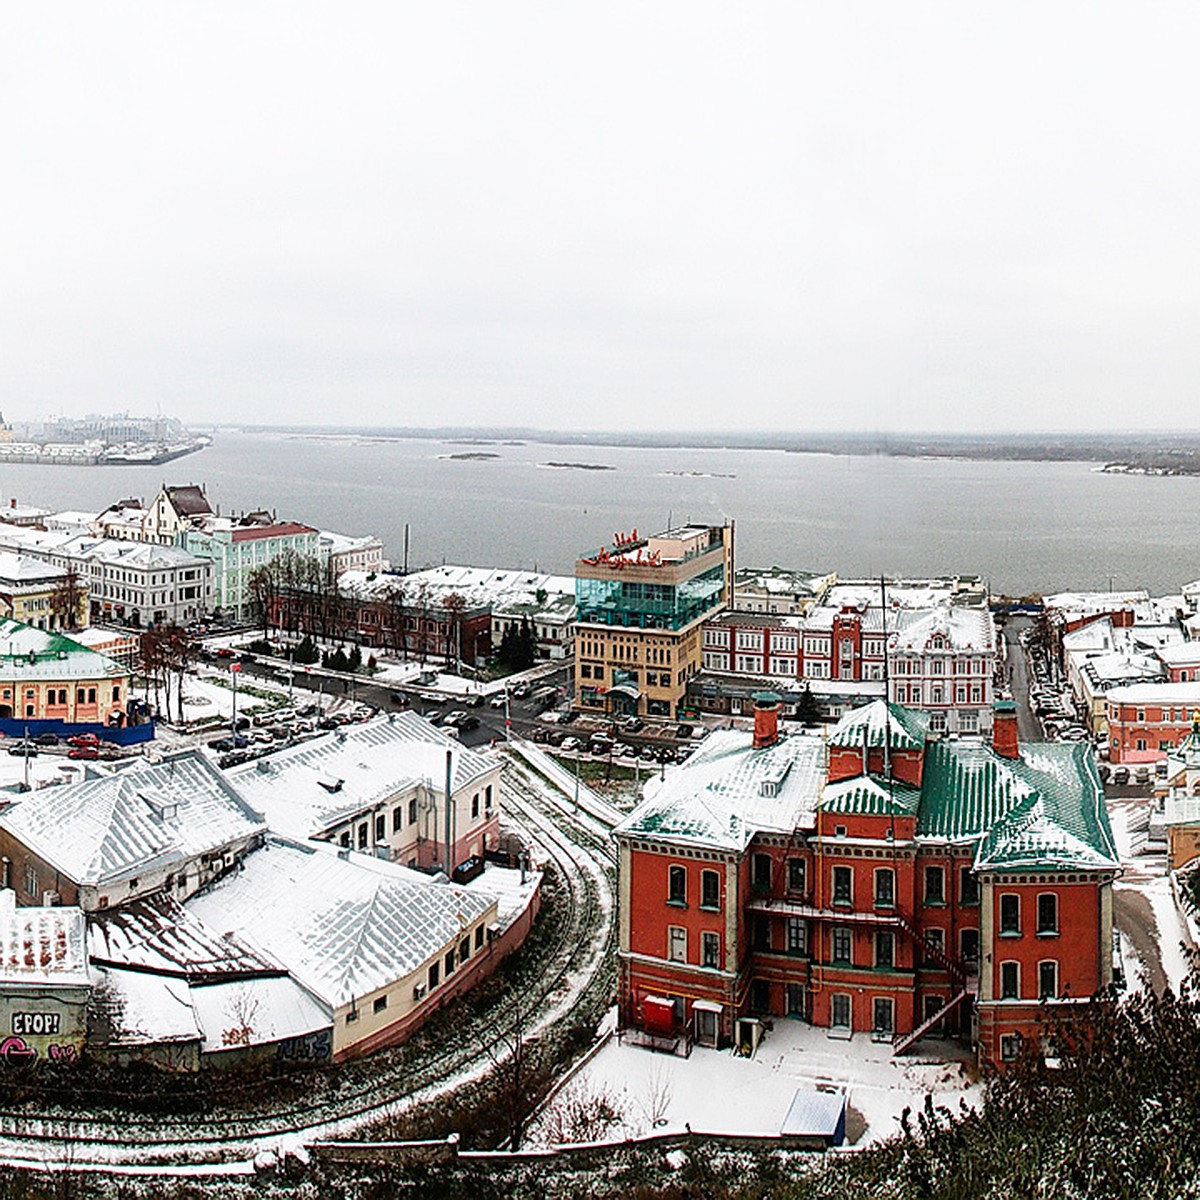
(714,1091)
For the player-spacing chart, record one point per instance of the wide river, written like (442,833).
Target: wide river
(1024,526)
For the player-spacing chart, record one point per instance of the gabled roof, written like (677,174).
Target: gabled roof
(728,791)
(958,628)
(903,728)
(114,825)
(343,924)
(189,500)
(33,654)
(306,789)
(870,795)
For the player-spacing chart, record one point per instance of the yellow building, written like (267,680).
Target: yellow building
(41,594)
(47,677)
(641,603)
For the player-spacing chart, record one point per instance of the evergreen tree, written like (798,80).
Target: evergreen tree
(526,648)
(807,708)
(355,660)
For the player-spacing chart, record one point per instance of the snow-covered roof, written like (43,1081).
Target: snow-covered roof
(1180,654)
(36,655)
(20,569)
(142,1009)
(497,588)
(1107,670)
(1156,693)
(343,924)
(308,788)
(116,824)
(903,728)
(254,1012)
(728,791)
(158,934)
(957,628)
(41,945)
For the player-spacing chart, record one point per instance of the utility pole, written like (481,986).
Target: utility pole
(233,671)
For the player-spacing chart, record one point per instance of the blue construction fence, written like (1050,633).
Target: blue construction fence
(128,735)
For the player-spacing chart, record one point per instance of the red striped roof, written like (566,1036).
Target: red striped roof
(288,529)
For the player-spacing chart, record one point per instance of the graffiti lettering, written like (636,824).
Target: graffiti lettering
(66,1053)
(14,1050)
(35,1024)
(314,1047)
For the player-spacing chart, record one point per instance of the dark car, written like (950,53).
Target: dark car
(329,723)
(398,698)
(47,739)
(467,724)
(666,754)
(684,731)
(474,700)
(569,716)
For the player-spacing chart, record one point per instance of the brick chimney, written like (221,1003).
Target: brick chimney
(1004,729)
(766,719)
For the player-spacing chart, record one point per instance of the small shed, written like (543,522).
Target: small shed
(816,1116)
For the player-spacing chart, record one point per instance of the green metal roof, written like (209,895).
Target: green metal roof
(870,795)
(905,728)
(1043,810)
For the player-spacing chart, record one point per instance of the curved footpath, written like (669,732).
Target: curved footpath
(575,966)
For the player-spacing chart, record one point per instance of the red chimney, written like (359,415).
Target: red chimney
(766,719)
(1004,729)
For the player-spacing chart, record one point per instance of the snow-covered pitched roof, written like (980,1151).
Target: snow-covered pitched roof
(1180,654)
(728,791)
(20,569)
(343,924)
(308,788)
(160,935)
(872,724)
(114,825)
(957,628)
(141,1009)
(41,945)
(255,1012)
(29,653)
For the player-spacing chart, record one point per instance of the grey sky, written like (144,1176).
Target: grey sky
(623,215)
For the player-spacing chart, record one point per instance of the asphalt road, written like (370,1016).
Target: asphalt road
(1029,728)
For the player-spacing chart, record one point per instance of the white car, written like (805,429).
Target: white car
(498,701)
(453,718)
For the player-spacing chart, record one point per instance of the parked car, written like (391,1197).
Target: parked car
(474,700)
(398,698)
(498,701)
(83,739)
(23,749)
(684,731)
(88,752)
(454,717)
(571,743)
(467,724)
(570,716)
(556,737)
(46,739)
(1120,775)
(521,690)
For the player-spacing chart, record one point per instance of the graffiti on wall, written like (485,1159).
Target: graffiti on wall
(311,1047)
(17,1049)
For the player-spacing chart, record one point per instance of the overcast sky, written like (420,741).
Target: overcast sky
(861,216)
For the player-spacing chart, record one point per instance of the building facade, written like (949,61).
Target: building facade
(1148,720)
(886,882)
(641,605)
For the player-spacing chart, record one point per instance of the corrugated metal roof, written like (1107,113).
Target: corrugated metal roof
(870,795)
(727,791)
(113,825)
(344,927)
(158,934)
(905,728)
(372,762)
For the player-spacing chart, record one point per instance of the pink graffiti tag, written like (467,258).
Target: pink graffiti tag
(14,1050)
(66,1053)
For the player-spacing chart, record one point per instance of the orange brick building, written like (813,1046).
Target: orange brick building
(883,881)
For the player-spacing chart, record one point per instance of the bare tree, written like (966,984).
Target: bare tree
(454,604)
(68,592)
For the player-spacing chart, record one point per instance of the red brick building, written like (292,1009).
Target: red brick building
(887,882)
(1147,720)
